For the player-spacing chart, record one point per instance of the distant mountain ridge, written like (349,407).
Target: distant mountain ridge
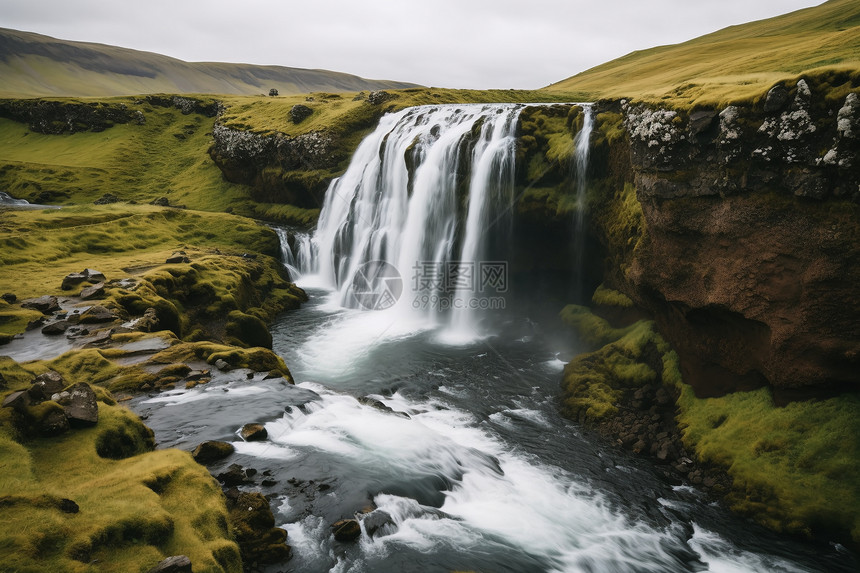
(33,65)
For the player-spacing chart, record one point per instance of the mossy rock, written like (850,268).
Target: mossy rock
(123,436)
(247,330)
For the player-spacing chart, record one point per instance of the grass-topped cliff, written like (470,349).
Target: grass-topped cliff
(734,64)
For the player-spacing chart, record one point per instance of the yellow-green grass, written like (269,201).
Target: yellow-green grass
(795,468)
(40,247)
(738,63)
(343,112)
(136,506)
(166,157)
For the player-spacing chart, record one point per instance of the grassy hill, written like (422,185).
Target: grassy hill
(33,65)
(736,63)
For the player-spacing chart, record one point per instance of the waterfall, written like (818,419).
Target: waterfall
(422,193)
(301,261)
(581,148)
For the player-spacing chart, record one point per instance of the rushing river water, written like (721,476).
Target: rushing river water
(474,468)
(442,425)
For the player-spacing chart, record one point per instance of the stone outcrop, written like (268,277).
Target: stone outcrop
(746,255)
(56,117)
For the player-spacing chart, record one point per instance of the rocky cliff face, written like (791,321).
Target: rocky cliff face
(750,234)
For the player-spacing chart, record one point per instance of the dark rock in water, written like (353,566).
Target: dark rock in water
(17,400)
(34,324)
(101,336)
(374,403)
(95,291)
(346,530)
(161,202)
(53,423)
(46,385)
(254,528)
(222,365)
(376,520)
(72,280)
(198,375)
(299,113)
(106,199)
(272,374)
(9,297)
(97,314)
(235,475)
(68,506)
(212,451)
(175,564)
(81,405)
(45,304)
(55,328)
(253,432)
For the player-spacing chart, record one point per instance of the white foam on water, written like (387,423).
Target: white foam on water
(722,556)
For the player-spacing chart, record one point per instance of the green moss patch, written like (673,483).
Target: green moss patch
(795,468)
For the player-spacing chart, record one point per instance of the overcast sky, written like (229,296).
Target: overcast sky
(445,43)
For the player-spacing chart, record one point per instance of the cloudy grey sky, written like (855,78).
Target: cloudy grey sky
(445,43)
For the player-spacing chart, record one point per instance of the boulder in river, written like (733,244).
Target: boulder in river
(55,328)
(212,451)
(97,314)
(253,432)
(346,530)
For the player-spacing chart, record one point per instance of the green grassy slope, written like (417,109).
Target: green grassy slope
(33,65)
(736,63)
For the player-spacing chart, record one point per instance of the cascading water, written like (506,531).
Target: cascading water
(421,194)
(581,148)
(296,252)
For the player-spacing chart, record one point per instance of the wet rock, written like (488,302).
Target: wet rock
(45,304)
(253,432)
(37,323)
(222,365)
(299,113)
(55,328)
(235,475)
(97,314)
(254,527)
(272,374)
(376,520)
(212,451)
(175,564)
(101,337)
(9,297)
(346,530)
(81,405)
(95,291)
(195,375)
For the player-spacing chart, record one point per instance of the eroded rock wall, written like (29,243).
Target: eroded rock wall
(747,255)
